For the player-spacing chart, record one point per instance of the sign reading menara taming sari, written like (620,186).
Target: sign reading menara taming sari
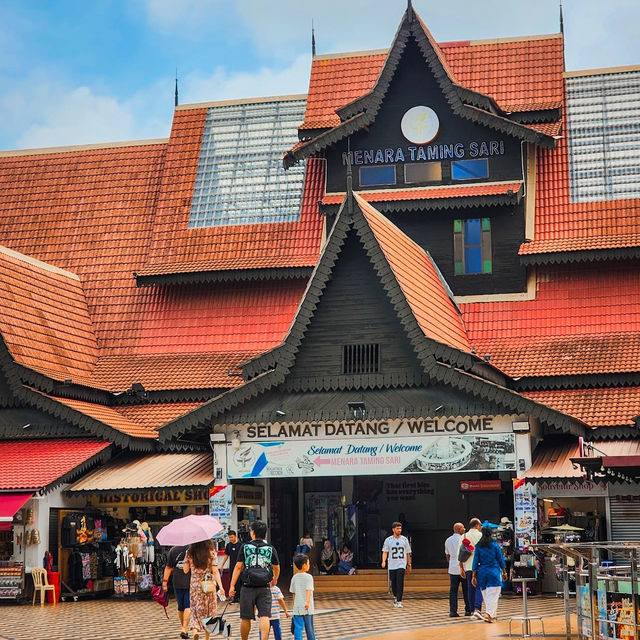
(387,455)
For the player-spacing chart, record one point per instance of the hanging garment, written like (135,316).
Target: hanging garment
(86,566)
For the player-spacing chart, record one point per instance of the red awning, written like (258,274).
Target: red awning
(10,504)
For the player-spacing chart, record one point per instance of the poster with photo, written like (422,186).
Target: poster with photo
(220,502)
(525,511)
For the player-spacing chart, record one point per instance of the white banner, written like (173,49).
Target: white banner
(382,456)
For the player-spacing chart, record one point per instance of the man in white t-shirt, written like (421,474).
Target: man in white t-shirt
(397,550)
(473,593)
(451,548)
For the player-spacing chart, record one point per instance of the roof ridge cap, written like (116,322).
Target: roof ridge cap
(508,39)
(240,101)
(352,54)
(46,266)
(83,147)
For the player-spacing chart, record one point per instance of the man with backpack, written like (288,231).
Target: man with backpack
(258,568)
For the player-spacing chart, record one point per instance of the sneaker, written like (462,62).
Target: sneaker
(395,602)
(399,605)
(477,614)
(184,635)
(454,615)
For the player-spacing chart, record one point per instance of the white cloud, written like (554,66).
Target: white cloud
(223,84)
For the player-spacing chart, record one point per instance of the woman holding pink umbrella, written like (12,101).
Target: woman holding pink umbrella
(201,560)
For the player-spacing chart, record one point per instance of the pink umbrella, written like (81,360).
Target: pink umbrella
(184,531)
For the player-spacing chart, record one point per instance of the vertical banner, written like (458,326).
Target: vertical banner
(525,513)
(220,503)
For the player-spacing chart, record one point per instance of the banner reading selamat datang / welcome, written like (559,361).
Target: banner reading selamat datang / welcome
(379,456)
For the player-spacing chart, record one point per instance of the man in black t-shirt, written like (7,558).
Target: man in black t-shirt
(259,566)
(181,585)
(231,554)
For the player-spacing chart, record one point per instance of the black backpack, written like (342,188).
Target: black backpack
(258,571)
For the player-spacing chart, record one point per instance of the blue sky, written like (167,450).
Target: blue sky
(79,72)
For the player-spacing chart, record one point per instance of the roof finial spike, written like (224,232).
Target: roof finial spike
(409,10)
(313,39)
(349,178)
(175,99)
(561,19)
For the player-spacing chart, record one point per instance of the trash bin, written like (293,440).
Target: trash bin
(53,577)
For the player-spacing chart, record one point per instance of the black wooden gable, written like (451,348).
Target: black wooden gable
(465,103)
(288,368)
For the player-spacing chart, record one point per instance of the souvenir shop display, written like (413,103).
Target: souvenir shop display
(11,580)
(87,553)
(137,566)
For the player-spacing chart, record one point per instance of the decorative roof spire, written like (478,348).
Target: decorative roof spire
(409,10)
(561,19)
(175,99)
(313,39)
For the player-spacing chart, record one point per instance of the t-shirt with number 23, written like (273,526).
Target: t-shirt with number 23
(398,550)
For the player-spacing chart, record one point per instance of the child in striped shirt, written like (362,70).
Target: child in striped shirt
(277,603)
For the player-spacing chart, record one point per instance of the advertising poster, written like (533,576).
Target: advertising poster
(486,452)
(525,513)
(584,610)
(620,616)
(220,501)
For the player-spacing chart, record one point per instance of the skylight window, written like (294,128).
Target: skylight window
(604,135)
(240,177)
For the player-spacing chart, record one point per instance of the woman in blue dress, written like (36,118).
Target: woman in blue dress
(489,570)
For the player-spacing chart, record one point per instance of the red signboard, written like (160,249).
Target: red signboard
(480,485)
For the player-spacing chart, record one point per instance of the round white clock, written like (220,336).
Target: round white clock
(420,124)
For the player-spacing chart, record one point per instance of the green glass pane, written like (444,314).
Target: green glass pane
(486,224)
(457,226)
(486,266)
(459,269)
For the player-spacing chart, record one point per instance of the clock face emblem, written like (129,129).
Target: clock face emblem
(420,125)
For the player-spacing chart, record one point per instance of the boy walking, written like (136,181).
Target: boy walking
(277,603)
(302,590)
(397,550)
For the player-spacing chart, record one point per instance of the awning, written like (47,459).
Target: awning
(511,191)
(10,504)
(34,465)
(155,471)
(566,461)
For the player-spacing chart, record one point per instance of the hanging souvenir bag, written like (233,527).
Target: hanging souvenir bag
(208,584)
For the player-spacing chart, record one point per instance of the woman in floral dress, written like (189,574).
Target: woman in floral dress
(201,560)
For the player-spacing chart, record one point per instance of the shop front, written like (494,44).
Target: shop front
(30,496)
(108,544)
(349,480)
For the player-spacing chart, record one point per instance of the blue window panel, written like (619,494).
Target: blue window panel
(469,169)
(371,176)
(473,259)
(472,232)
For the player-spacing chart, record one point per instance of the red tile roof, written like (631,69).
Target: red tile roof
(566,355)
(159,372)
(430,193)
(44,318)
(153,416)
(176,246)
(106,415)
(562,225)
(419,280)
(35,464)
(89,212)
(602,407)
(582,305)
(520,74)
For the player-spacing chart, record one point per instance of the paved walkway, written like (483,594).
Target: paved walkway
(356,617)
